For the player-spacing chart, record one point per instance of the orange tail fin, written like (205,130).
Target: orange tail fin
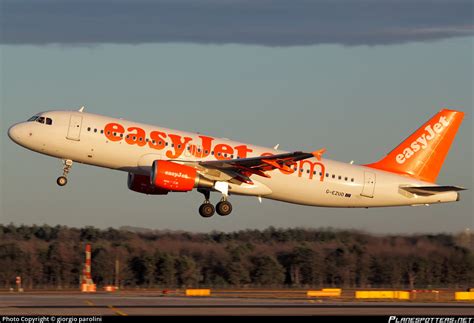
(422,154)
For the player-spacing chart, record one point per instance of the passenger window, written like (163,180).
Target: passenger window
(352,179)
(49,121)
(327,174)
(95,130)
(102,131)
(89,129)
(339,177)
(333,176)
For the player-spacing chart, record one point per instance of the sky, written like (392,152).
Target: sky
(354,76)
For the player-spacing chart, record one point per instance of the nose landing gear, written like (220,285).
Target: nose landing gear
(62,180)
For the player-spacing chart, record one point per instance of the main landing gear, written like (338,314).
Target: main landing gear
(224,207)
(62,180)
(206,210)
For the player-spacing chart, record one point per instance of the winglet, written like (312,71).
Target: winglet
(319,153)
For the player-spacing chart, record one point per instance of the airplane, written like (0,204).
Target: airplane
(160,160)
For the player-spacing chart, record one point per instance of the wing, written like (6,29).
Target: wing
(243,168)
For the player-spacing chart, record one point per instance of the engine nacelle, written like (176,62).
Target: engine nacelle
(141,184)
(172,176)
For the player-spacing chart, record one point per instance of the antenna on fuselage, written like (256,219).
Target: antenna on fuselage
(82,109)
(276,146)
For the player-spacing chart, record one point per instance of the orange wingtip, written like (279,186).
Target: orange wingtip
(319,153)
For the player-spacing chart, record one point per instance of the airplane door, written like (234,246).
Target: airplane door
(369,185)
(75,126)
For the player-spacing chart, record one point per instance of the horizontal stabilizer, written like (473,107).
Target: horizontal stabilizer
(431,190)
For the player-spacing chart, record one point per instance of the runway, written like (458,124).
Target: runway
(154,304)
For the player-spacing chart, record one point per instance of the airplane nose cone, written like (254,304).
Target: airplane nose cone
(17,133)
(13,133)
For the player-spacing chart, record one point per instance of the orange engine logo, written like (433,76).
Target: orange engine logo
(172,176)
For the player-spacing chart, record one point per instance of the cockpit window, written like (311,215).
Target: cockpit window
(43,120)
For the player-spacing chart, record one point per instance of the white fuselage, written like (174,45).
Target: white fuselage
(82,137)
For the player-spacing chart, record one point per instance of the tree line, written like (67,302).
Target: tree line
(53,257)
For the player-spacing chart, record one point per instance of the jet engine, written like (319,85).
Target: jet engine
(141,184)
(172,176)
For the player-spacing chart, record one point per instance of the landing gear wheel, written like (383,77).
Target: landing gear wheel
(67,164)
(206,210)
(62,180)
(224,208)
